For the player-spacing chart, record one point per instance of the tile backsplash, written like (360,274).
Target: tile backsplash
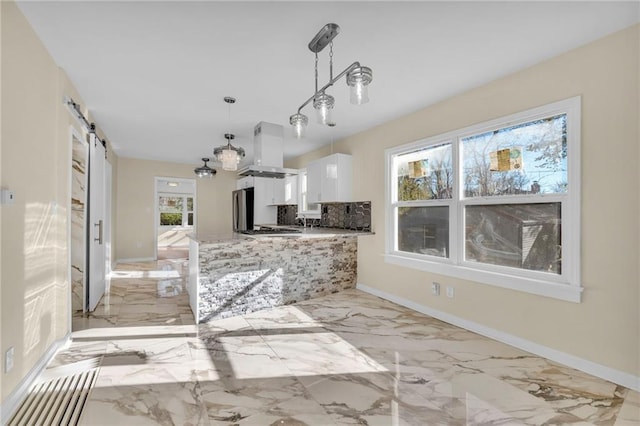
(287,214)
(353,215)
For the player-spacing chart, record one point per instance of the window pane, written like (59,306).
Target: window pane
(424,230)
(425,174)
(174,219)
(526,236)
(170,204)
(189,204)
(190,219)
(528,158)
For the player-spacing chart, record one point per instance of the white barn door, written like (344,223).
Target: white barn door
(97,225)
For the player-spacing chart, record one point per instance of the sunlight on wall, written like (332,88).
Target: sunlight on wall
(40,275)
(39,243)
(38,318)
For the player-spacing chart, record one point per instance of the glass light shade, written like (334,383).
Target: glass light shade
(358,80)
(299,123)
(359,94)
(229,159)
(205,171)
(323,104)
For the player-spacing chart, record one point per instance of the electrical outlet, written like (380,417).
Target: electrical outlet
(8,359)
(435,288)
(450,292)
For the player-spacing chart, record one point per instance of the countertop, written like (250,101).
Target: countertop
(314,232)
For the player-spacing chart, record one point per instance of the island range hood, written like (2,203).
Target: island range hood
(268,145)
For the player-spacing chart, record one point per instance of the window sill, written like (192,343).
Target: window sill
(555,290)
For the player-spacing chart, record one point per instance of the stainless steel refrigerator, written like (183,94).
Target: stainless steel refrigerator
(242,209)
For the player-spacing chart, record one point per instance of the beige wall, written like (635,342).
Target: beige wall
(135,233)
(605,327)
(35,164)
(30,227)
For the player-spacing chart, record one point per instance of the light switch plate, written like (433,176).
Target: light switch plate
(7,196)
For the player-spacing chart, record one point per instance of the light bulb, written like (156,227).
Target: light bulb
(323,104)
(359,93)
(358,80)
(299,123)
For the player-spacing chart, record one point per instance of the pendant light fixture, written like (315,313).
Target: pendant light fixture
(357,78)
(228,154)
(205,171)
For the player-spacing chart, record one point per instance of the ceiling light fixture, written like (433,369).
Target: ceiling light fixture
(205,171)
(357,78)
(228,154)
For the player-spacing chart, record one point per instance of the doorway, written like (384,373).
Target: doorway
(175,217)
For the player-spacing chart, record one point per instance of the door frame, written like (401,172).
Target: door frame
(156,216)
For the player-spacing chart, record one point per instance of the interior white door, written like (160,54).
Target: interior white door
(96,234)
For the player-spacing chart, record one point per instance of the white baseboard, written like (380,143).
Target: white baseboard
(15,398)
(607,373)
(135,259)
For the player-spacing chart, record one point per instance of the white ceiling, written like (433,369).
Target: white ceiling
(154,74)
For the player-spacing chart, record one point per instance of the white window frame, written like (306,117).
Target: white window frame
(565,286)
(303,206)
(185,209)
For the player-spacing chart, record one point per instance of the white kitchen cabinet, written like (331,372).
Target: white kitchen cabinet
(264,212)
(329,179)
(277,191)
(245,182)
(286,191)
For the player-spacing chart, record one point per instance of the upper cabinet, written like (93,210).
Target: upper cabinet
(286,190)
(274,191)
(329,179)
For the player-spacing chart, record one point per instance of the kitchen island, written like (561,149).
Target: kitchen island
(236,274)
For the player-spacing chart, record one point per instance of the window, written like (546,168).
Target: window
(496,202)
(306,209)
(175,210)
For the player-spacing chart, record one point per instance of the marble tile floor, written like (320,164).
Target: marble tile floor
(345,359)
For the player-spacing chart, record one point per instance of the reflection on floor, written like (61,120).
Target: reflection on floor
(349,358)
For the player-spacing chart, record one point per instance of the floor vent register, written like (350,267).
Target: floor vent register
(59,396)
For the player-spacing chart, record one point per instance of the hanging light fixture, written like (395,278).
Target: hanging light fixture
(228,154)
(299,123)
(323,104)
(205,171)
(358,79)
